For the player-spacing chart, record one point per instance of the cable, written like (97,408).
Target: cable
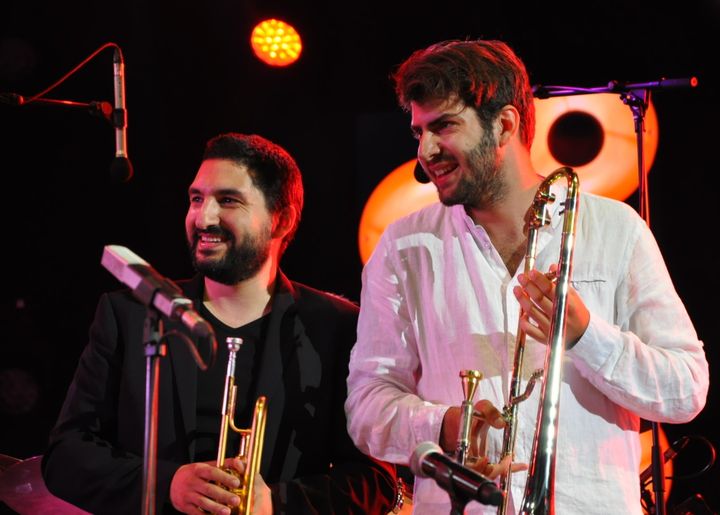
(71,72)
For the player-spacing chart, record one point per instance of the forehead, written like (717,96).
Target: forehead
(217,177)
(222,174)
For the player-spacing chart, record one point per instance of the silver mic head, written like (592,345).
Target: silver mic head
(418,456)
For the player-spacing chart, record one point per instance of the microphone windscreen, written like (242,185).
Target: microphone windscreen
(419,455)
(121,170)
(420,175)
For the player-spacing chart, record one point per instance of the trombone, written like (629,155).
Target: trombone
(539,489)
(251,440)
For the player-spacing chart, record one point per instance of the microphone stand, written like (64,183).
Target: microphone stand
(638,101)
(637,97)
(154,350)
(160,296)
(103,109)
(96,108)
(458,499)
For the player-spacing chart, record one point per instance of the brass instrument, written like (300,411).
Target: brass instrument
(470,379)
(251,440)
(539,489)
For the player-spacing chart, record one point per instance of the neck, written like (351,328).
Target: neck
(504,221)
(506,218)
(238,304)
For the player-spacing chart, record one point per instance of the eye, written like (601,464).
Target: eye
(195,199)
(228,201)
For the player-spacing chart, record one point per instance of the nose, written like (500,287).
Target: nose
(428,147)
(207,214)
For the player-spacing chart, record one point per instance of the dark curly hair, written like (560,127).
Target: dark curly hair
(272,170)
(484,74)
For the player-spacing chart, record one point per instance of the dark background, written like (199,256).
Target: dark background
(190,75)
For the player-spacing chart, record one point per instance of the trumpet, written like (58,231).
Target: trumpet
(470,379)
(539,489)
(251,440)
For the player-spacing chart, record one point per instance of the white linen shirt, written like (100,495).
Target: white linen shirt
(437,299)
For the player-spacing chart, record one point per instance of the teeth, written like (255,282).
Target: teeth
(443,171)
(210,239)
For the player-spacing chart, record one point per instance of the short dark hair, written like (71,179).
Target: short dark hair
(272,170)
(484,74)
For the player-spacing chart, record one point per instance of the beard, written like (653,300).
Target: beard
(483,185)
(241,261)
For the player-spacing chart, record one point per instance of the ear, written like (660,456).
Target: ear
(284,221)
(508,124)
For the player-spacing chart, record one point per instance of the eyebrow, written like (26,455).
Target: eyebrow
(440,119)
(222,191)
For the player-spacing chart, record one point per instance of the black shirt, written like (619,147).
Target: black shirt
(211,385)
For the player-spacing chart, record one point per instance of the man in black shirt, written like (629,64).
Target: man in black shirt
(245,205)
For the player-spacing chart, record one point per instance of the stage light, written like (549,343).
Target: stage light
(398,194)
(595,134)
(276,42)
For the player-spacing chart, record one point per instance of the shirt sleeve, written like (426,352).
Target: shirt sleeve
(386,416)
(649,360)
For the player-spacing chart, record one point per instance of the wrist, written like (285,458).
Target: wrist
(449,429)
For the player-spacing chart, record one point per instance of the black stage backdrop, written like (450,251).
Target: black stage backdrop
(190,75)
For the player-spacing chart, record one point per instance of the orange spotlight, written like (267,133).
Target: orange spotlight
(595,134)
(397,195)
(276,42)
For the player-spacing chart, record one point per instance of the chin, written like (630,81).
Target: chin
(448,198)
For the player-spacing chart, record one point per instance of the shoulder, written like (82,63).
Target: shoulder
(426,218)
(316,299)
(607,205)
(422,227)
(606,215)
(609,232)
(328,319)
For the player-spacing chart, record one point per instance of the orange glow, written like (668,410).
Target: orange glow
(276,43)
(606,165)
(397,195)
(613,170)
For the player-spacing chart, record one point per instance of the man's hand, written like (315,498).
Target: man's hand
(485,416)
(194,490)
(535,294)
(262,499)
(489,416)
(494,470)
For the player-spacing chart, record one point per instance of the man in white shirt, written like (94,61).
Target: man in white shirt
(444,292)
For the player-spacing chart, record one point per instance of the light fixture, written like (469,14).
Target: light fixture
(276,43)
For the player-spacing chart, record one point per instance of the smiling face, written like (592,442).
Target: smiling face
(228,225)
(459,155)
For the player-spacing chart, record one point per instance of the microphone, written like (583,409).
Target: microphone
(95,108)
(614,86)
(152,289)
(121,169)
(685,82)
(428,460)
(419,173)
(12,99)
(668,455)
